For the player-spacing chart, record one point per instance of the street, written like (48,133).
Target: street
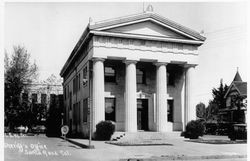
(40,148)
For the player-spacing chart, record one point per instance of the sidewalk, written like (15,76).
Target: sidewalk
(180,149)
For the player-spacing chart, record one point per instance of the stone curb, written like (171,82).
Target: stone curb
(75,143)
(183,157)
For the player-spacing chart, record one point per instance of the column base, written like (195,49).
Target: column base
(168,127)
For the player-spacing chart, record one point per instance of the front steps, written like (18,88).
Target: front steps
(117,136)
(144,136)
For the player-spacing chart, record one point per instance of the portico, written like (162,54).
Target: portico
(131,95)
(137,71)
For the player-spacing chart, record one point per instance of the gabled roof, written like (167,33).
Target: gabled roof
(241,88)
(148,16)
(237,77)
(102,28)
(239,85)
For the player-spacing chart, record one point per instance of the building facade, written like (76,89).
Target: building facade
(42,92)
(236,102)
(136,71)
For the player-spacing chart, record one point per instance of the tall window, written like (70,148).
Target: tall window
(75,114)
(85,110)
(25,97)
(110,109)
(43,99)
(79,81)
(64,93)
(85,76)
(110,74)
(67,91)
(76,82)
(34,98)
(74,85)
(52,99)
(70,100)
(170,78)
(140,76)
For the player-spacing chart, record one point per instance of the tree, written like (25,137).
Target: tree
(200,110)
(218,102)
(218,95)
(18,73)
(212,112)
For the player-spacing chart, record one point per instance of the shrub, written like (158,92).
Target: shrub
(237,132)
(104,130)
(194,129)
(211,128)
(183,133)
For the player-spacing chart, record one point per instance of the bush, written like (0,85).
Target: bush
(223,128)
(183,133)
(104,130)
(237,132)
(194,129)
(211,128)
(217,128)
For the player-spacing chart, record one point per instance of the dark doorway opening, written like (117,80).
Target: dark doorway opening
(142,114)
(110,109)
(170,110)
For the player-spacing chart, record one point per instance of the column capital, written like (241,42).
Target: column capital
(98,59)
(190,65)
(129,62)
(160,63)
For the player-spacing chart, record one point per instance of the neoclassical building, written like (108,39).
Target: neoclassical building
(136,70)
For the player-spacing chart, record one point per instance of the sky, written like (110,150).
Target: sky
(50,30)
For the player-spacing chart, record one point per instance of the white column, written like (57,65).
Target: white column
(161,97)
(98,92)
(190,113)
(130,97)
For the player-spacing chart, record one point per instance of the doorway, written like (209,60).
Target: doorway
(170,110)
(142,114)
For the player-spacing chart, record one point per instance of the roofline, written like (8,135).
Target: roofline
(236,89)
(91,29)
(145,37)
(79,44)
(126,19)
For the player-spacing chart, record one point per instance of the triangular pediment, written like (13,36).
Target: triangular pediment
(147,24)
(147,28)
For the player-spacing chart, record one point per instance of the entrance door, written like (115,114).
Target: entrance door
(170,110)
(142,114)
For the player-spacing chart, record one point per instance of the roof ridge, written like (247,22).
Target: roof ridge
(143,15)
(117,18)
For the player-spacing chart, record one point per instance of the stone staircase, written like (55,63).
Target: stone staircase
(144,137)
(117,136)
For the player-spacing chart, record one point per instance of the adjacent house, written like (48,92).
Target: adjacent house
(236,102)
(136,71)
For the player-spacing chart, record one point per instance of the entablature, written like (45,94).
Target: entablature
(144,45)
